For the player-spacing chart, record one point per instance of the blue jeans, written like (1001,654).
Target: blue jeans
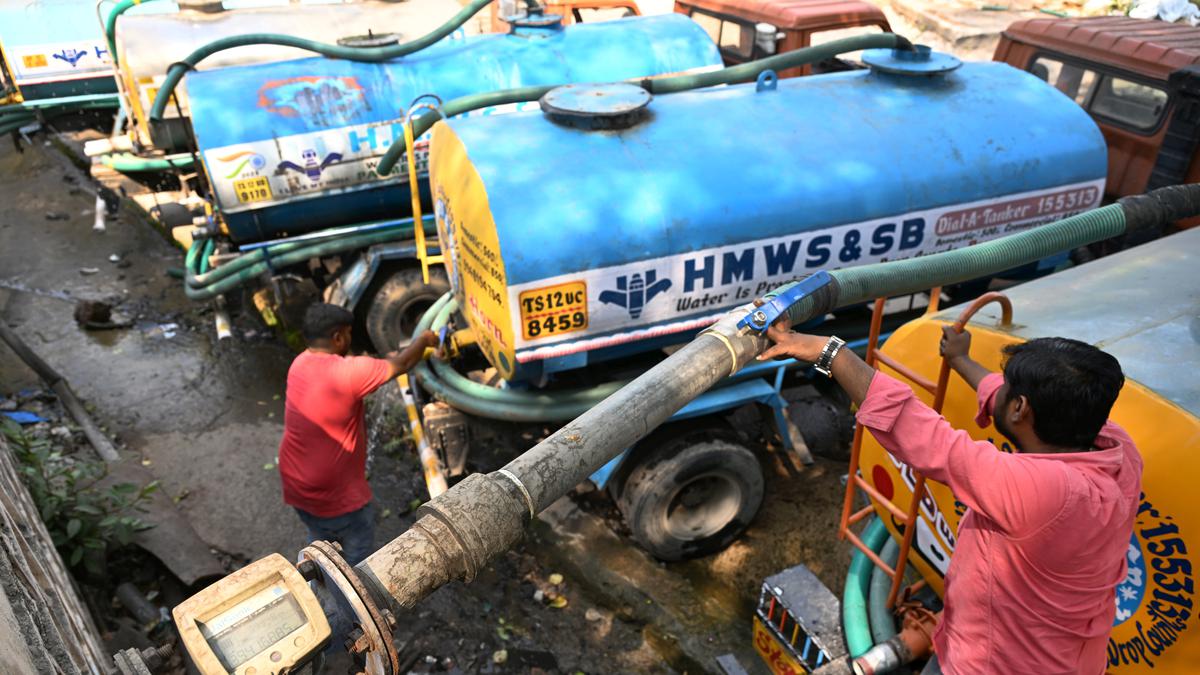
(355,531)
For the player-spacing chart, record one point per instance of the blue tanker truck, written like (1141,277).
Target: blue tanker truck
(584,240)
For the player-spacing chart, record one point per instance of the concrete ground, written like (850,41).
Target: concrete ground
(205,417)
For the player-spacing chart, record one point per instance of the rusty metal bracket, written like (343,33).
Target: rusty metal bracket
(375,643)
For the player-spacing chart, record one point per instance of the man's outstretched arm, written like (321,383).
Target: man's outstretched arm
(993,483)
(851,372)
(404,360)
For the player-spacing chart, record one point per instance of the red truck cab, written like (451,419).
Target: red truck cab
(1139,79)
(745,30)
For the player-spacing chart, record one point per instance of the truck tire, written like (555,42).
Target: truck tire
(691,496)
(397,306)
(827,425)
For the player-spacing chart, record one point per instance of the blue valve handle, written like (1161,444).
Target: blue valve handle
(442,335)
(761,318)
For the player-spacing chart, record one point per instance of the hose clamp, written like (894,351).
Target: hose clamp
(524,491)
(733,358)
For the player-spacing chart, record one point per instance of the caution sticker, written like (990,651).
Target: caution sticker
(34,60)
(554,310)
(254,189)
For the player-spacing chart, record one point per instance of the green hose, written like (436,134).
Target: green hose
(110,25)
(275,253)
(589,396)
(8,124)
(201,284)
(441,380)
(664,85)
(882,620)
(127,163)
(369,54)
(854,597)
(210,245)
(856,285)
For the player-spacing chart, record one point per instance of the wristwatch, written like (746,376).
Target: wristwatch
(824,362)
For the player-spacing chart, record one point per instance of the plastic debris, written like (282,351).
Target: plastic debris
(539,596)
(22,417)
(555,579)
(499,656)
(593,614)
(114,258)
(1167,10)
(88,271)
(559,602)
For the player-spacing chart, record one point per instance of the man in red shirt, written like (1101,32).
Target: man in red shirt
(323,454)
(1041,549)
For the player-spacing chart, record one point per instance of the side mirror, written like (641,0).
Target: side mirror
(766,37)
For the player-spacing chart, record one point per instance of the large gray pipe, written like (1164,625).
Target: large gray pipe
(484,515)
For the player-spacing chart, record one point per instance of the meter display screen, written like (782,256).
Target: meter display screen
(263,619)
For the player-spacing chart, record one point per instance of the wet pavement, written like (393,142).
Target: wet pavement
(205,417)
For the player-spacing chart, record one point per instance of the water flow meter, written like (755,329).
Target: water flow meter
(262,619)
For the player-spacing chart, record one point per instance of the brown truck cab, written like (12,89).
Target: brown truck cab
(745,30)
(1139,79)
(572,11)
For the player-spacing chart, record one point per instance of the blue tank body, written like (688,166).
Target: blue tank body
(55,48)
(599,240)
(291,146)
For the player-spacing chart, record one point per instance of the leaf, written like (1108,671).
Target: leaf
(73,527)
(124,488)
(108,521)
(94,543)
(88,509)
(76,556)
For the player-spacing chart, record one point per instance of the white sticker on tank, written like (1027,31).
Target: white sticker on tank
(303,165)
(49,62)
(685,291)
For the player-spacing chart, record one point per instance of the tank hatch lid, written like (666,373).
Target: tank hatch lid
(920,60)
(616,105)
(371,39)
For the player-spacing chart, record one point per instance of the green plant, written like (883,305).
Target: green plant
(85,519)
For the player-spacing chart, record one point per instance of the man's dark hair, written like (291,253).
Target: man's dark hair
(322,319)
(1070,385)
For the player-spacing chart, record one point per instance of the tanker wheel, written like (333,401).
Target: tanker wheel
(826,423)
(398,304)
(690,496)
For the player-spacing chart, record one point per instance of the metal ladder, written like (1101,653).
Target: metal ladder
(857,482)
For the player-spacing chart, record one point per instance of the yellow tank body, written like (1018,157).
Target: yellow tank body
(1142,306)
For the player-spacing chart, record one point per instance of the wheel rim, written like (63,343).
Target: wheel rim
(410,315)
(702,507)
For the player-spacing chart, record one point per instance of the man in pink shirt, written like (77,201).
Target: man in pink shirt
(1041,549)
(323,454)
